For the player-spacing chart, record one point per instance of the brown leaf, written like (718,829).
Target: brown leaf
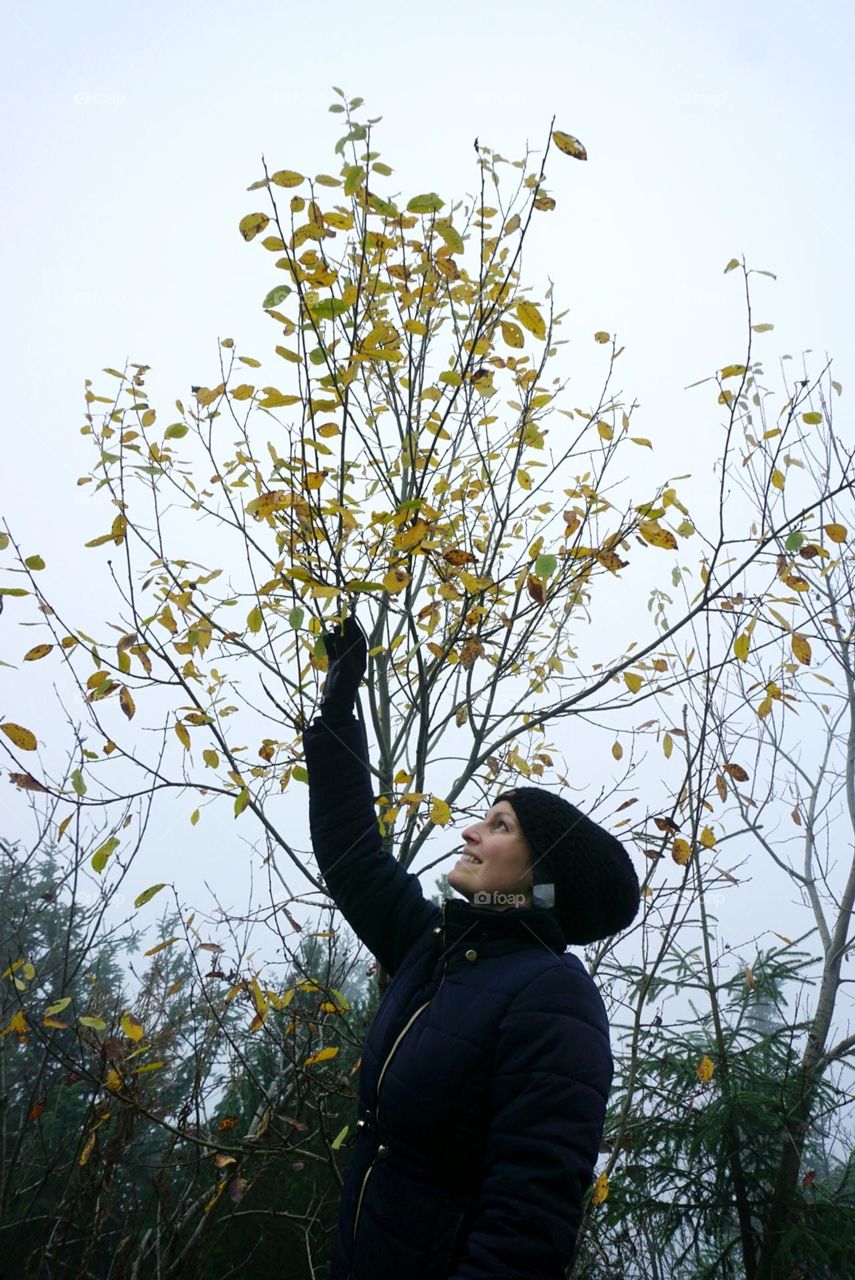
(535,589)
(666,824)
(472,649)
(736,771)
(611,560)
(456,557)
(26,782)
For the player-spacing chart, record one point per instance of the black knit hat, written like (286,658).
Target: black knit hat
(580,872)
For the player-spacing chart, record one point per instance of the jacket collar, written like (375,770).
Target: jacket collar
(461,920)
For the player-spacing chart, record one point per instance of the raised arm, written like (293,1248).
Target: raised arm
(382,903)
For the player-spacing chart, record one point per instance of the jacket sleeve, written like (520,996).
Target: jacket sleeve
(552,1074)
(381,901)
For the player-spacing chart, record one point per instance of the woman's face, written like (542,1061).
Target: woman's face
(501,876)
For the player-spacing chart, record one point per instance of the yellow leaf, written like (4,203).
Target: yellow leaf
(704,1070)
(126,702)
(38,651)
(274,399)
(652,532)
(836,532)
(605,431)
(741,646)
(395,580)
(571,147)
(512,334)
(254,620)
(617,750)
(708,838)
(87,1149)
(601,1189)
(764,708)
(321,1056)
(409,538)
(602,336)
(287,178)
(530,318)
(667,745)
(680,851)
(22,738)
(252,224)
(160,946)
(147,894)
(212,760)
(733,370)
(131,1027)
(813,419)
(777,479)
(183,735)
(440,812)
(801,648)
(633,681)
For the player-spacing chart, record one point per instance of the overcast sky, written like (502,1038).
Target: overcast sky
(131,135)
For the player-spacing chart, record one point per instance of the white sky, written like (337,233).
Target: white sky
(132,133)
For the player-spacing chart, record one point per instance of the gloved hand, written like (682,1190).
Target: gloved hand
(347,651)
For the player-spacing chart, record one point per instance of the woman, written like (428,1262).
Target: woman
(486,1069)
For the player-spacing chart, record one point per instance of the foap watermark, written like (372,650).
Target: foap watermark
(96,98)
(487,898)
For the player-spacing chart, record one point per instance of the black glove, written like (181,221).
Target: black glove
(347,652)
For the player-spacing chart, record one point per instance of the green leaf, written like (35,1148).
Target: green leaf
(141,899)
(176,431)
(254,620)
(77,783)
(339,1138)
(300,773)
(242,799)
(34,562)
(545,566)
(430,202)
(295,618)
(277,295)
(734,262)
(384,207)
(329,308)
(794,540)
(100,856)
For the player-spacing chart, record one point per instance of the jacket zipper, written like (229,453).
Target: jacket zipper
(389,1057)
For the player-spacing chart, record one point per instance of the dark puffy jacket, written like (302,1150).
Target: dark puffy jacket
(485,1072)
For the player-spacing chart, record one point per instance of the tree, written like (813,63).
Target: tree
(415,453)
